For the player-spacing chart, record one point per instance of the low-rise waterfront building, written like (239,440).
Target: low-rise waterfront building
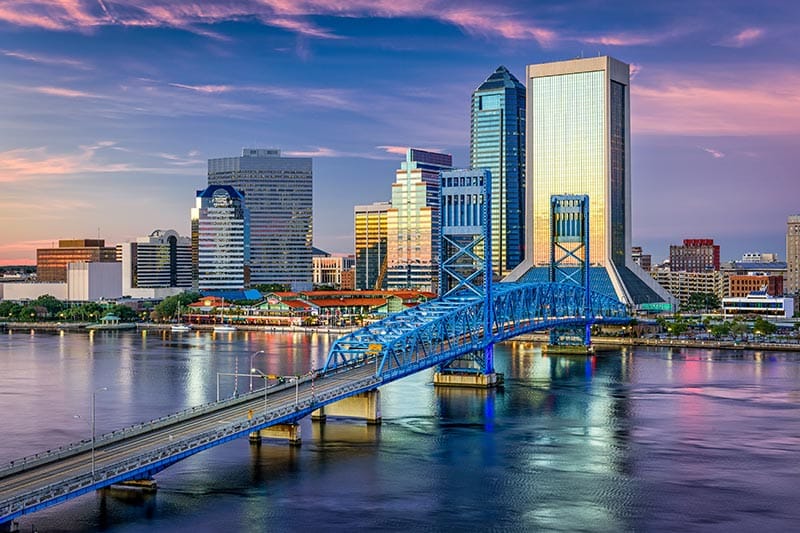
(759,304)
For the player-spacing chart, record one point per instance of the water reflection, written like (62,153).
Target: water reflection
(638,439)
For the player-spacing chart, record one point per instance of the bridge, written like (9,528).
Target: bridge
(434,333)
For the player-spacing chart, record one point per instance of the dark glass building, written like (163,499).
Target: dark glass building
(497,144)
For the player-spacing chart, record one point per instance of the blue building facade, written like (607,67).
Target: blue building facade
(497,144)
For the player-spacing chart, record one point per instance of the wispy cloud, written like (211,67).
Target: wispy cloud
(45,59)
(65,92)
(716,154)
(744,38)
(291,15)
(205,89)
(765,102)
(35,163)
(399,150)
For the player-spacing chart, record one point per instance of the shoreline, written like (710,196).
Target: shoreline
(540,338)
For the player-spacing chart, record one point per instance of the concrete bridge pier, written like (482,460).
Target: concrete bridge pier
(477,380)
(362,406)
(290,432)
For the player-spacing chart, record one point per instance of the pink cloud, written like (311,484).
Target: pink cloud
(66,93)
(622,39)
(287,14)
(745,37)
(716,154)
(484,22)
(766,103)
(399,150)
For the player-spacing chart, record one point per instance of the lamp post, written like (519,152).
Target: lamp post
(94,401)
(251,366)
(265,376)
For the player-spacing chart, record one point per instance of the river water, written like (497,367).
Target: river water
(642,439)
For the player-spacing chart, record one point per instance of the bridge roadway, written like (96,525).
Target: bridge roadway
(35,483)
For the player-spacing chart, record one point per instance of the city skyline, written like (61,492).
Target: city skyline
(104,101)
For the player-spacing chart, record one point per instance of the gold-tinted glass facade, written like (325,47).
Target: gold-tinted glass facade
(370,245)
(568,143)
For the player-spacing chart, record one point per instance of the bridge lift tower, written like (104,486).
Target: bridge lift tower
(569,261)
(465,268)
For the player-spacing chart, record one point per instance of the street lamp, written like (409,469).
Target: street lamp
(265,376)
(251,367)
(94,401)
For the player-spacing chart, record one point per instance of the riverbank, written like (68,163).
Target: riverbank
(541,338)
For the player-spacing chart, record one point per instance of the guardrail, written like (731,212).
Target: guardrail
(69,450)
(176,450)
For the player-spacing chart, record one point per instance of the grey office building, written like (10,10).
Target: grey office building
(278,192)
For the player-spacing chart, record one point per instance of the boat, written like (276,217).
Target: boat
(179,327)
(222,327)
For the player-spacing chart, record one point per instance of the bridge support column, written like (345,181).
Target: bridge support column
(363,406)
(476,380)
(290,432)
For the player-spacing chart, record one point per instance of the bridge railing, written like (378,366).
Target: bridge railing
(123,433)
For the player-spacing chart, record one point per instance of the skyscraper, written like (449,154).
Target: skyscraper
(279,199)
(220,239)
(578,142)
(413,222)
(792,285)
(497,143)
(370,245)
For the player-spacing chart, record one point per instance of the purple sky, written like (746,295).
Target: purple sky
(110,108)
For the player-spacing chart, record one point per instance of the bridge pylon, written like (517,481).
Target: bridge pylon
(465,268)
(569,263)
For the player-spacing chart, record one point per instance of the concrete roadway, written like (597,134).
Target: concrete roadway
(79,464)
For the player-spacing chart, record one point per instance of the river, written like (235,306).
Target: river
(640,439)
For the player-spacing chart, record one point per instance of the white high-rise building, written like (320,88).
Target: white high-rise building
(220,239)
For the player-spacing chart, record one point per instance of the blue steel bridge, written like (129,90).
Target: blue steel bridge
(432,334)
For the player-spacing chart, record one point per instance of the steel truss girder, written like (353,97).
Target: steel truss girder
(449,327)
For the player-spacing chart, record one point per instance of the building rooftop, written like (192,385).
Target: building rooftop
(500,79)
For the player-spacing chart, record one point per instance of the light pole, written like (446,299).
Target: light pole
(94,401)
(265,376)
(251,366)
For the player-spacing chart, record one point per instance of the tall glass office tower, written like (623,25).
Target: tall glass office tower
(578,142)
(220,250)
(412,223)
(279,198)
(497,143)
(370,245)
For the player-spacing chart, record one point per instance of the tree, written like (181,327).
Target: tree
(51,303)
(722,329)
(738,329)
(702,301)
(764,327)
(125,313)
(8,309)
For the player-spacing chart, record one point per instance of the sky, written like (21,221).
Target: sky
(109,109)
